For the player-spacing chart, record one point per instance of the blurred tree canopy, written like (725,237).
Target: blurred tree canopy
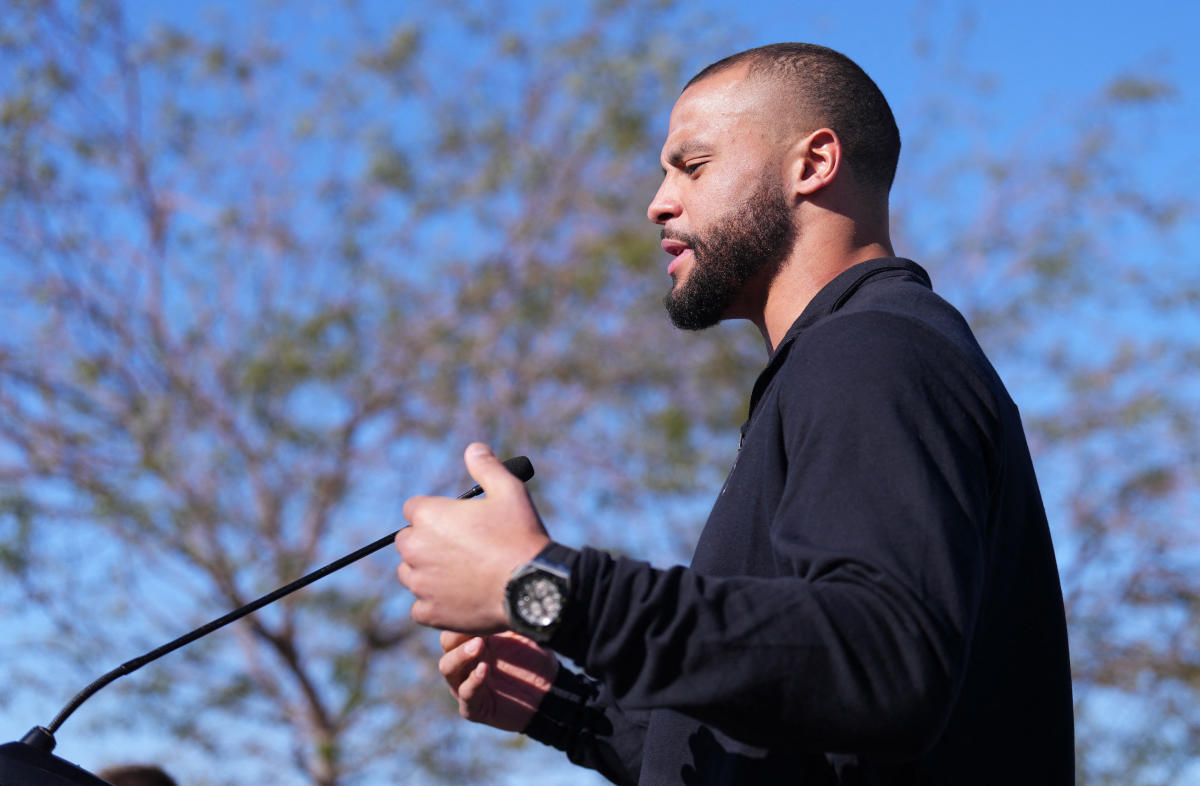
(264,277)
(257,294)
(1070,261)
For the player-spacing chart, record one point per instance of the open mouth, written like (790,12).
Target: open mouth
(677,249)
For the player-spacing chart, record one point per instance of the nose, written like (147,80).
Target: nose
(664,206)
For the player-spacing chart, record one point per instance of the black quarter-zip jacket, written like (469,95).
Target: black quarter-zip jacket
(874,598)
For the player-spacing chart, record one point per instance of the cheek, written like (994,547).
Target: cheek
(715,193)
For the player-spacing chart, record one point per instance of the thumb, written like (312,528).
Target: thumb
(485,469)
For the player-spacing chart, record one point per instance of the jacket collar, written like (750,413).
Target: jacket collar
(829,299)
(835,294)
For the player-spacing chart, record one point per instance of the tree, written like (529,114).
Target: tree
(1069,257)
(265,277)
(257,296)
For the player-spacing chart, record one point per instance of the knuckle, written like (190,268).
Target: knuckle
(420,612)
(448,665)
(404,543)
(416,509)
(411,550)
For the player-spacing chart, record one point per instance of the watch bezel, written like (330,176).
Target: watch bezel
(522,577)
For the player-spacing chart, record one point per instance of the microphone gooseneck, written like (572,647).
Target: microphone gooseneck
(43,737)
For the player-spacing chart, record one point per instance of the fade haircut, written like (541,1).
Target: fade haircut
(829,90)
(137,775)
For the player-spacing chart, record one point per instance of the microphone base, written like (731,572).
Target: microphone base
(30,763)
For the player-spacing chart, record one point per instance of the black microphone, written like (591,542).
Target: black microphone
(30,761)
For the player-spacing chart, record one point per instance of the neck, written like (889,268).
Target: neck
(829,239)
(798,283)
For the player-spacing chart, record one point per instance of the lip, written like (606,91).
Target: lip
(674,247)
(677,249)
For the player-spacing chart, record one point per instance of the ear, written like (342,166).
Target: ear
(815,161)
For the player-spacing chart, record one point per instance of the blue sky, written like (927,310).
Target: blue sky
(1037,48)
(1041,56)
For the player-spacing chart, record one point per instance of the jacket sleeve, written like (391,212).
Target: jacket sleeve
(879,540)
(578,718)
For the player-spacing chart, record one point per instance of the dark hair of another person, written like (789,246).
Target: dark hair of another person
(832,91)
(137,775)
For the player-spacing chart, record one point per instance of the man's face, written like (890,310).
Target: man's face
(722,205)
(749,240)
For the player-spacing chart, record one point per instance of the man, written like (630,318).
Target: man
(874,598)
(137,775)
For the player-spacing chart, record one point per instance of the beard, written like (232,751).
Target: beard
(751,240)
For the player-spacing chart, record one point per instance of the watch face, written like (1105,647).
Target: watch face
(540,601)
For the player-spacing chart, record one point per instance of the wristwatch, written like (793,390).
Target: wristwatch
(536,598)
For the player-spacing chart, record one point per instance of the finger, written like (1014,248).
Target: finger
(472,693)
(458,662)
(409,545)
(451,639)
(413,506)
(422,614)
(531,667)
(404,575)
(485,469)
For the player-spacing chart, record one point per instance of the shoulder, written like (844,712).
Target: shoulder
(921,358)
(876,340)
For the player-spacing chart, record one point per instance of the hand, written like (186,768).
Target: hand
(499,680)
(459,554)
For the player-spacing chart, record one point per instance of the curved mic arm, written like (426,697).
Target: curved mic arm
(518,465)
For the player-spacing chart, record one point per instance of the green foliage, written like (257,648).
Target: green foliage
(1071,270)
(1139,89)
(390,167)
(400,52)
(16,516)
(250,283)
(264,277)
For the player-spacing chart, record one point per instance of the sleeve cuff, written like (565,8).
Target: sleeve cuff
(559,717)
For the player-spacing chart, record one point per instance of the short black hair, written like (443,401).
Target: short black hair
(137,775)
(831,90)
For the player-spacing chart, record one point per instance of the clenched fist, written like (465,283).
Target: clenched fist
(458,554)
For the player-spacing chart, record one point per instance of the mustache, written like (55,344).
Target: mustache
(681,237)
